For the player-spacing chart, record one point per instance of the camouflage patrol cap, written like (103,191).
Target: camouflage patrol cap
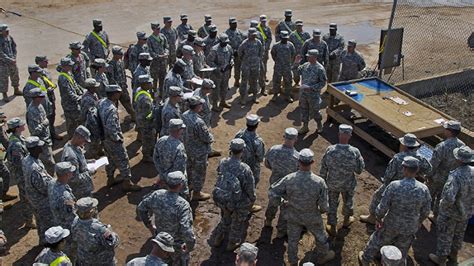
(175,91)
(113,88)
(75,45)
(333,26)
(213,28)
(252,31)
(15,122)
(33,141)
(175,178)
(117,50)
(352,43)
(181,63)
(299,22)
(288,13)
(155,25)
(237,144)
(36,92)
(145,56)
(63,168)
(252,120)
(100,62)
(253,23)
(410,162)
(192,33)
(232,20)
(284,34)
(86,204)
(306,156)
(391,255)
(345,129)
(176,124)
(316,32)
(188,49)
(208,84)
(183,16)
(249,249)
(34,68)
(195,100)
(66,61)
(165,241)
(223,38)
(4,27)
(291,133)
(263,18)
(409,140)
(55,234)
(145,79)
(83,132)
(199,42)
(97,22)
(167,19)
(41,58)
(312,52)
(207,18)
(452,124)
(464,154)
(141,35)
(91,83)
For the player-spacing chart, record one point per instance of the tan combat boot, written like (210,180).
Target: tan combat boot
(200,196)
(5,97)
(370,219)
(256,208)
(331,229)
(438,260)
(224,104)
(304,129)
(17,92)
(348,220)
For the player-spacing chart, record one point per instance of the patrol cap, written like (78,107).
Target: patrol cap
(208,84)
(55,234)
(223,38)
(252,120)
(4,27)
(113,88)
(97,22)
(181,63)
(253,23)
(284,34)
(410,162)
(91,83)
(167,19)
(312,52)
(177,124)
(36,92)
(183,16)
(409,140)
(316,32)
(232,20)
(66,61)
(63,168)
(352,43)
(86,204)
(117,50)
(332,26)
(145,79)
(291,133)
(34,68)
(145,56)
(212,28)
(248,249)
(100,62)
(207,18)
(391,255)
(252,31)
(263,18)
(175,91)
(237,144)
(199,42)
(15,122)
(175,178)
(165,241)
(141,35)
(195,100)
(345,129)
(155,25)
(41,58)
(188,49)
(288,13)
(464,154)
(306,156)
(75,45)
(452,124)
(33,141)
(299,22)
(83,132)
(192,33)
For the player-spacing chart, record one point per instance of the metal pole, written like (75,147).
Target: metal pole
(387,37)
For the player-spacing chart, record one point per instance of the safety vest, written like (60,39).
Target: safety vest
(149,116)
(59,260)
(50,83)
(99,39)
(66,75)
(259,27)
(36,84)
(298,36)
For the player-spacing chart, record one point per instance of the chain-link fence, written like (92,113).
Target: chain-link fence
(435,42)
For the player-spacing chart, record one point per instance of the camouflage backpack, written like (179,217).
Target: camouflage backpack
(227,190)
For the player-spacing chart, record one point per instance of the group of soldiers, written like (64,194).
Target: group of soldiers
(179,80)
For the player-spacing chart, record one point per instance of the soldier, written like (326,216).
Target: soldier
(8,67)
(286,25)
(116,75)
(191,37)
(15,153)
(81,69)
(443,162)
(172,37)
(221,58)
(174,79)
(266,33)
(404,206)
(4,172)
(172,214)
(42,62)
(247,255)
(283,53)
(143,103)
(456,207)
(336,45)
(206,88)
(135,50)
(159,50)
(313,78)
(199,58)
(307,198)
(162,248)
(408,147)
(53,253)
(236,37)
(197,141)
(282,160)
(298,37)
(37,181)
(261,77)
(89,103)
(113,140)
(211,39)
(61,198)
(203,31)
(100,66)
(71,95)
(171,109)
(81,180)
(188,74)
(143,68)
(38,125)
(183,28)
(352,62)
(234,194)
(96,242)
(338,165)
(318,44)
(250,52)
(96,44)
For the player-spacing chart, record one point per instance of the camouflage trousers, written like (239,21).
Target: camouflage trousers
(296,75)
(273,205)
(171,59)
(295,228)
(280,73)
(5,174)
(8,71)
(332,70)
(237,67)
(263,70)
(249,82)
(118,158)
(51,119)
(73,120)
(47,158)
(232,222)
(158,69)
(376,198)
(255,167)
(196,169)
(17,174)
(179,258)
(347,208)
(44,221)
(310,105)
(127,102)
(94,148)
(81,185)
(148,140)
(450,234)
(386,236)
(436,188)
(219,93)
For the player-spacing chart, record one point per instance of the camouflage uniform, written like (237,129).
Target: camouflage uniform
(30,84)
(172,79)
(80,70)
(147,260)
(188,70)
(81,182)
(179,50)
(183,31)
(116,75)
(220,58)
(71,95)
(37,181)
(145,126)
(113,140)
(172,215)
(52,100)
(169,112)
(61,202)
(283,55)
(322,47)
(94,48)
(199,62)
(307,198)
(236,37)
(250,53)
(171,35)
(204,30)
(158,46)
(140,70)
(197,140)
(267,41)
(288,26)
(404,205)
(8,66)
(210,43)
(169,156)
(4,171)
(314,76)
(205,114)
(254,152)
(47,256)
(104,82)
(338,165)
(92,247)
(351,65)
(298,39)
(89,104)
(133,53)
(335,48)
(38,125)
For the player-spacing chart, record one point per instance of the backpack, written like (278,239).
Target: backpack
(125,57)
(94,124)
(227,191)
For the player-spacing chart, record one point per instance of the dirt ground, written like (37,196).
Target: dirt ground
(121,20)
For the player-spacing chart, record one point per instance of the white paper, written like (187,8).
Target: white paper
(97,164)
(197,81)
(207,69)
(425,151)
(408,113)
(440,121)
